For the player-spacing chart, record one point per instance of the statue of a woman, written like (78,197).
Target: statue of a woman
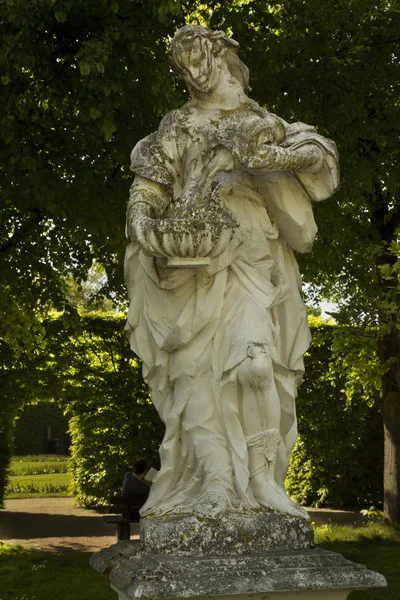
(221,198)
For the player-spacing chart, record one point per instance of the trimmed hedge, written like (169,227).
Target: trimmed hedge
(90,372)
(114,421)
(16,385)
(338,457)
(337,461)
(6,428)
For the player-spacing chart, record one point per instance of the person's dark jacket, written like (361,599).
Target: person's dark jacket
(136,492)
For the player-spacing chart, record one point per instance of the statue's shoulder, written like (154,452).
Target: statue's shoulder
(169,129)
(142,149)
(174,122)
(255,108)
(262,112)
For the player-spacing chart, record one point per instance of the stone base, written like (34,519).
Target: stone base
(338,595)
(233,533)
(314,574)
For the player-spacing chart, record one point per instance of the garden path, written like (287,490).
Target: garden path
(56,525)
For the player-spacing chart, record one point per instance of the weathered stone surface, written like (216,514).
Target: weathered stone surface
(307,595)
(222,196)
(233,533)
(145,576)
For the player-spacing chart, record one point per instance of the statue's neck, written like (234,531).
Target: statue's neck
(227,95)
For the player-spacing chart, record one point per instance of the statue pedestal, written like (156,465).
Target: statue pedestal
(232,534)
(226,567)
(308,595)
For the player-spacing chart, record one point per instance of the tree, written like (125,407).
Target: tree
(82,82)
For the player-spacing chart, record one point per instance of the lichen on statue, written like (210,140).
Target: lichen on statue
(223,189)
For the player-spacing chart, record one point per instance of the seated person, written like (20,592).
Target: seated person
(134,489)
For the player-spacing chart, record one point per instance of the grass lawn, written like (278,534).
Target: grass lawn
(38,477)
(30,575)
(376,546)
(38,465)
(70,577)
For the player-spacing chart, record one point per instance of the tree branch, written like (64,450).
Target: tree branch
(34,217)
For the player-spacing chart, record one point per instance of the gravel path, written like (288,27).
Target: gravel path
(56,525)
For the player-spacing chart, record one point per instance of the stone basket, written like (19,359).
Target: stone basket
(192,242)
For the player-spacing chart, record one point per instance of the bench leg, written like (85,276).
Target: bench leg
(123,531)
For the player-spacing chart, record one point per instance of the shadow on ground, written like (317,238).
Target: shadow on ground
(56,525)
(19,525)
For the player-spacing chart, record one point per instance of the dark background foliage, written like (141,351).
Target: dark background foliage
(41,428)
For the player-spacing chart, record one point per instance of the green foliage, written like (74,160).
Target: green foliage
(41,458)
(39,477)
(81,83)
(99,383)
(113,420)
(67,575)
(89,295)
(20,384)
(43,485)
(335,65)
(6,424)
(89,370)
(14,393)
(373,514)
(338,458)
(38,465)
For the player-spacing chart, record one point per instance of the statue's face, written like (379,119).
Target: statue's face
(199,66)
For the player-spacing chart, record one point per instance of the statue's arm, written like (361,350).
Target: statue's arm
(147,202)
(307,157)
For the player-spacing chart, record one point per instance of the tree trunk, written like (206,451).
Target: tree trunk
(390,350)
(387,222)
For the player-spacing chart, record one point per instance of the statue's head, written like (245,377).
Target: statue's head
(195,52)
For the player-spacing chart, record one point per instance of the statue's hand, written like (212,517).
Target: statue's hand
(141,227)
(142,231)
(264,157)
(223,160)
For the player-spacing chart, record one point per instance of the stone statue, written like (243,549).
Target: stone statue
(221,198)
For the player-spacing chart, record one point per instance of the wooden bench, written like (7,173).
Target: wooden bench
(128,513)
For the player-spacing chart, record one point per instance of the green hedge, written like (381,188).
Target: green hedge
(113,422)
(89,370)
(6,428)
(338,457)
(337,461)
(85,367)
(15,385)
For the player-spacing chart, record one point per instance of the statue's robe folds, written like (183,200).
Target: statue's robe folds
(193,328)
